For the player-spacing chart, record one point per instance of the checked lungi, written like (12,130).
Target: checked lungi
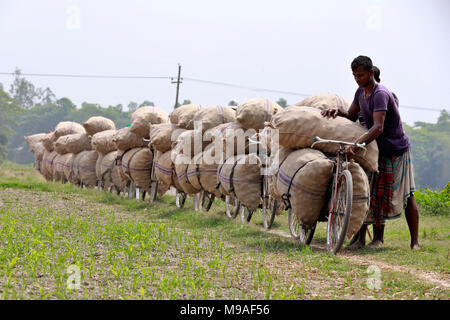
(390,188)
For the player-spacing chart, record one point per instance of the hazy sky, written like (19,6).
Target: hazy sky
(295,46)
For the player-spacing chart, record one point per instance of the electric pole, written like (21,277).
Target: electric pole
(179,80)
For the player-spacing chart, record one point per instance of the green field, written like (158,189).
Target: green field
(130,249)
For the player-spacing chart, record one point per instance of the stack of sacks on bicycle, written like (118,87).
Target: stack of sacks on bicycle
(298,125)
(133,157)
(162,137)
(240,176)
(304,178)
(102,142)
(108,172)
(202,172)
(125,140)
(83,168)
(142,118)
(187,145)
(36,146)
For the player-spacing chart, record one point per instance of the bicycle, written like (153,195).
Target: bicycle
(268,204)
(339,200)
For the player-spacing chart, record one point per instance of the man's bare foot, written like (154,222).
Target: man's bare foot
(376,244)
(355,246)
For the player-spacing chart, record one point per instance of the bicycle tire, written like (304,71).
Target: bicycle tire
(231,207)
(154,190)
(337,225)
(269,205)
(180,199)
(246,214)
(306,233)
(207,201)
(294,225)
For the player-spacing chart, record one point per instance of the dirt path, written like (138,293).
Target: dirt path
(429,276)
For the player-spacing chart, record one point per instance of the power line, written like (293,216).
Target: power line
(83,76)
(225,84)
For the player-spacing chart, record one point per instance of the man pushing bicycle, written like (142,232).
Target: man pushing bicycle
(392,189)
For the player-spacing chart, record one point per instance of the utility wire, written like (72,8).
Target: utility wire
(193,80)
(83,76)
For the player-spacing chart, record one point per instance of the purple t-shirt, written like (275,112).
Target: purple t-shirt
(393,141)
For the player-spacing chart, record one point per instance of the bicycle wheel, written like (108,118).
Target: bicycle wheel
(207,200)
(339,216)
(180,199)
(306,233)
(294,225)
(231,207)
(153,190)
(269,210)
(245,213)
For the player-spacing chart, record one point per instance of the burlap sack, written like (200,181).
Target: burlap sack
(309,184)
(73,143)
(181,165)
(212,116)
(276,159)
(205,171)
(164,168)
(68,168)
(117,181)
(59,167)
(297,126)
(190,143)
(326,101)
(98,124)
(102,142)
(162,136)
(47,164)
(361,198)
(241,176)
(98,168)
(38,150)
(144,116)
(124,178)
(183,115)
(254,112)
(68,127)
(33,140)
(75,177)
(124,139)
(136,165)
(105,170)
(48,141)
(86,168)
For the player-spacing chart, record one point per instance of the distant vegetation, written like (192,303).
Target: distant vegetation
(27,110)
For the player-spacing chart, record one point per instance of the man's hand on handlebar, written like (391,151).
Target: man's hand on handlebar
(330,113)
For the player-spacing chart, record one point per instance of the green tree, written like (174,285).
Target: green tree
(431,151)
(23,91)
(282,102)
(8,108)
(132,106)
(147,103)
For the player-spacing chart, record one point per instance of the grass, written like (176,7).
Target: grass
(129,249)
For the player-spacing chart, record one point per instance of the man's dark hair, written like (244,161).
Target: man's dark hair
(376,73)
(364,61)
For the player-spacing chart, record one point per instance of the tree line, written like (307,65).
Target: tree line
(26,110)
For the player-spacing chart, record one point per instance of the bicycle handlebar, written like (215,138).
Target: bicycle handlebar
(319,140)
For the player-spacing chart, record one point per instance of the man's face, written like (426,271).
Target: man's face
(363,77)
